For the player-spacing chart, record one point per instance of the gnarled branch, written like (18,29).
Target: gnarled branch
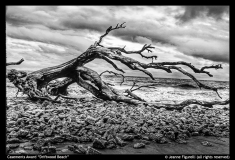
(15,63)
(111,62)
(147,86)
(200,85)
(145,47)
(196,70)
(109,30)
(218,66)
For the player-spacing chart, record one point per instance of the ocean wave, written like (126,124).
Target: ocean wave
(186,86)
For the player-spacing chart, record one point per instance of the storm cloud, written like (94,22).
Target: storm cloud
(201,36)
(192,12)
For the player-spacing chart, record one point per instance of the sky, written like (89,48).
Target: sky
(46,36)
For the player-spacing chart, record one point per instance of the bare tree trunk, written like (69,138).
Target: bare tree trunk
(60,87)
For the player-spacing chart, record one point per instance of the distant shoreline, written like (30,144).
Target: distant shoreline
(144,77)
(165,78)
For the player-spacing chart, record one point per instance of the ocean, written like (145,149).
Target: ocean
(165,82)
(170,90)
(165,90)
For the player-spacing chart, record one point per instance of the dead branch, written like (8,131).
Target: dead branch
(115,74)
(196,70)
(134,83)
(147,86)
(145,47)
(111,62)
(218,66)
(109,30)
(135,65)
(200,85)
(15,63)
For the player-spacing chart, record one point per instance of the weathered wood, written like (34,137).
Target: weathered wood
(36,82)
(15,63)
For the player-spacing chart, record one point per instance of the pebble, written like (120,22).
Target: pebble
(21,152)
(14,140)
(195,134)
(28,147)
(145,141)
(12,146)
(206,143)
(64,150)
(91,150)
(99,144)
(127,137)
(139,145)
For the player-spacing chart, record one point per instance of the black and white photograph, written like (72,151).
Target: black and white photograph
(117,80)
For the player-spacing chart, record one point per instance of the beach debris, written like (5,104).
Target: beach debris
(21,152)
(39,144)
(206,143)
(139,145)
(99,144)
(181,141)
(195,134)
(13,140)
(91,150)
(64,150)
(48,149)
(79,149)
(145,142)
(13,146)
(127,137)
(57,139)
(111,145)
(48,132)
(28,147)
(22,133)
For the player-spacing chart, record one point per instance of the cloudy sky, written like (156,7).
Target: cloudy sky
(50,35)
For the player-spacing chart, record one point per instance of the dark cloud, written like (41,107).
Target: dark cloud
(17,20)
(192,12)
(139,31)
(47,36)
(83,24)
(213,55)
(49,50)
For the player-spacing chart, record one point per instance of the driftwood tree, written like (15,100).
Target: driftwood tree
(38,84)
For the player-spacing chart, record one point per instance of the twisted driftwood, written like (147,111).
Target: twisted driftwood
(37,85)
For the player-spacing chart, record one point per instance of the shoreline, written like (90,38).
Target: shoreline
(87,118)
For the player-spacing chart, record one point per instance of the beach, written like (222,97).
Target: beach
(194,130)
